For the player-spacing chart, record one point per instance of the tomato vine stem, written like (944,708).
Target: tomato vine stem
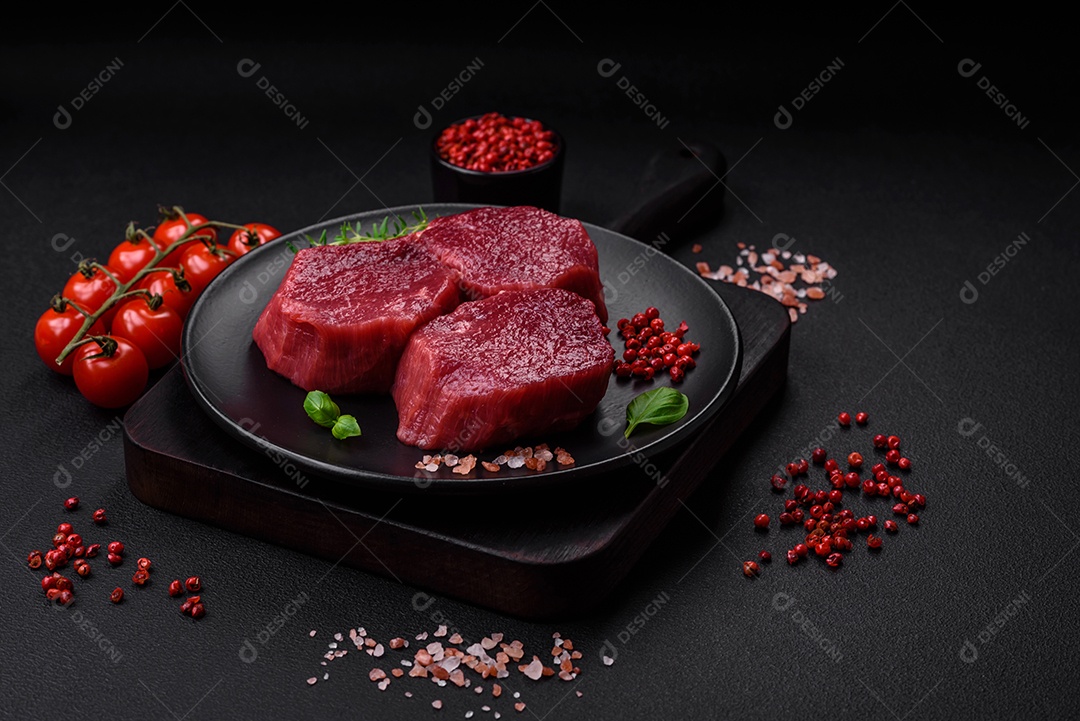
(123,290)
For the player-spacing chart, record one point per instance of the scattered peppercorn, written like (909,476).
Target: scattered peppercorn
(117,595)
(72,503)
(140,577)
(651,349)
(99,516)
(765,556)
(116,548)
(176,588)
(829,528)
(92,550)
(750,569)
(193,584)
(34,559)
(144,564)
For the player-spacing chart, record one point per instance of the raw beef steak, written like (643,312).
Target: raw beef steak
(517,248)
(343,314)
(520,363)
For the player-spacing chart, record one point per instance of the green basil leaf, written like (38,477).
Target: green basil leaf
(660,407)
(321,409)
(346,427)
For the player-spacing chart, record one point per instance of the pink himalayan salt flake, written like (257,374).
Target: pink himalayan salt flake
(436,704)
(439,632)
(520,706)
(312,634)
(383,684)
(465,465)
(376,674)
(534,670)
(311,681)
(456,638)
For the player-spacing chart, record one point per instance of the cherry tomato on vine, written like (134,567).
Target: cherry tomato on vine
(130,257)
(201,265)
(172,228)
(91,292)
(155,332)
(161,282)
(111,381)
(55,330)
(241,241)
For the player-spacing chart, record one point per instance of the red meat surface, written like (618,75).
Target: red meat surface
(517,248)
(343,314)
(517,364)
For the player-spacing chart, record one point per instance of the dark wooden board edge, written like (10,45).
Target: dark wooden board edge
(225,492)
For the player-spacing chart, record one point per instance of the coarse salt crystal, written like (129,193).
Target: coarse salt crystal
(312,634)
(534,670)
(608,660)
(311,681)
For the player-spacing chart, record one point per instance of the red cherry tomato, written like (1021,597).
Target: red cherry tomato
(91,293)
(241,241)
(155,332)
(130,257)
(172,229)
(55,330)
(160,282)
(201,265)
(111,381)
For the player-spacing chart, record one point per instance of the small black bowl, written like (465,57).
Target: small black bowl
(540,185)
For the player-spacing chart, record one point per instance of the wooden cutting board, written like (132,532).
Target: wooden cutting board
(538,555)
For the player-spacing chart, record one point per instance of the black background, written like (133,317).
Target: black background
(900,172)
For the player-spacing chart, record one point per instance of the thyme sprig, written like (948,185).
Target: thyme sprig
(391,227)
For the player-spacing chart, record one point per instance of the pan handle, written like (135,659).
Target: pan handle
(679,194)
